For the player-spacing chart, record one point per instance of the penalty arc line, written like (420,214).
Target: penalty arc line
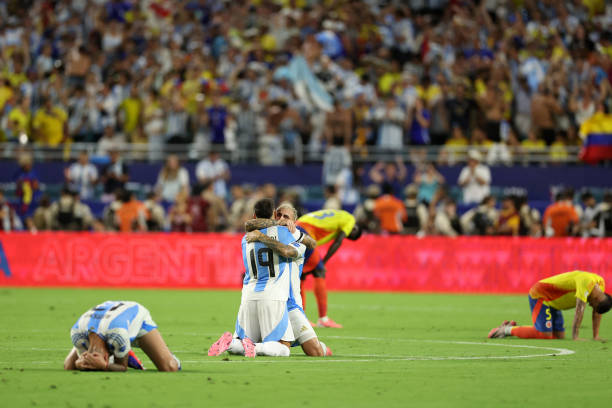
(553,351)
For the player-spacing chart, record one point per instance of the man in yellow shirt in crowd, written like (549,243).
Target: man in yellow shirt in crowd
(548,297)
(50,124)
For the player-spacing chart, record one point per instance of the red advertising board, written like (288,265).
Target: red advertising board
(381,263)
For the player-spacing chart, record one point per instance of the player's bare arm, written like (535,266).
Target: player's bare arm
(580,306)
(309,242)
(596,324)
(259,223)
(120,364)
(334,246)
(284,250)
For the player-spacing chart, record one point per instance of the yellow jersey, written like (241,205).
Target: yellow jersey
(561,291)
(50,126)
(324,225)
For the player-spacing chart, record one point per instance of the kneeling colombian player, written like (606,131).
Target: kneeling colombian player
(548,297)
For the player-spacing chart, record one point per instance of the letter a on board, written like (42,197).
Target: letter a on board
(4,265)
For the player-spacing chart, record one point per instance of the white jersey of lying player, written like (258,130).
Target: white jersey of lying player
(263,315)
(268,275)
(119,323)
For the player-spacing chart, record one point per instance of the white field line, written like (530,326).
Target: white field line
(356,358)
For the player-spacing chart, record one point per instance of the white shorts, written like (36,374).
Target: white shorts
(302,329)
(264,320)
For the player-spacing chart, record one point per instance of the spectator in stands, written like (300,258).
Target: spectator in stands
(364,213)
(179,216)
(18,119)
(9,221)
(475,179)
(446,220)
(393,173)
(50,124)
(332,202)
(214,169)
(390,211)
(198,207)
(421,121)
(173,179)
(157,214)
(544,107)
(131,109)
(522,107)
(218,214)
(603,217)
(240,209)
(132,214)
(480,220)
(558,151)
(428,179)
(217,120)
(246,130)
(337,163)
(27,187)
(453,148)
(69,213)
(391,120)
(416,212)
(114,175)
(43,216)
(509,221)
(531,219)
(560,219)
(110,140)
(82,176)
(587,219)
(271,147)
(503,152)
(177,122)
(533,148)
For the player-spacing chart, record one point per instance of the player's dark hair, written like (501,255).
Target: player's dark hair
(355,233)
(264,208)
(604,305)
(387,188)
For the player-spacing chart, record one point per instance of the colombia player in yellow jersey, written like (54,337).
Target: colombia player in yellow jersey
(324,226)
(560,292)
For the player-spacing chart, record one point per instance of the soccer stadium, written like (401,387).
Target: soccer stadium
(344,203)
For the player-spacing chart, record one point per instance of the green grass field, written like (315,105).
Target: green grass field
(395,350)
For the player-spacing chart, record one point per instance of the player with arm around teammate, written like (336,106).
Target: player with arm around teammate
(104,336)
(263,326)
(548,297)
(323,226)
(302,329)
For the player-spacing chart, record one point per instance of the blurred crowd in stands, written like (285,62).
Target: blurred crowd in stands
(284,77)
(302,78)
(391,204)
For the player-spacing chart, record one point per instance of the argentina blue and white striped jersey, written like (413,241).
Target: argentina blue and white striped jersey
(118,323)
(295,297)
(267,274)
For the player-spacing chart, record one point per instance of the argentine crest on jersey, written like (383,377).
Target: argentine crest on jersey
(267,274)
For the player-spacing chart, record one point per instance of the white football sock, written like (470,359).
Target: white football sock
(236,347)
(271,349)
(324,319)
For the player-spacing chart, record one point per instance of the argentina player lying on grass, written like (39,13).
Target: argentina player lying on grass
(103,338)
(303,332)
